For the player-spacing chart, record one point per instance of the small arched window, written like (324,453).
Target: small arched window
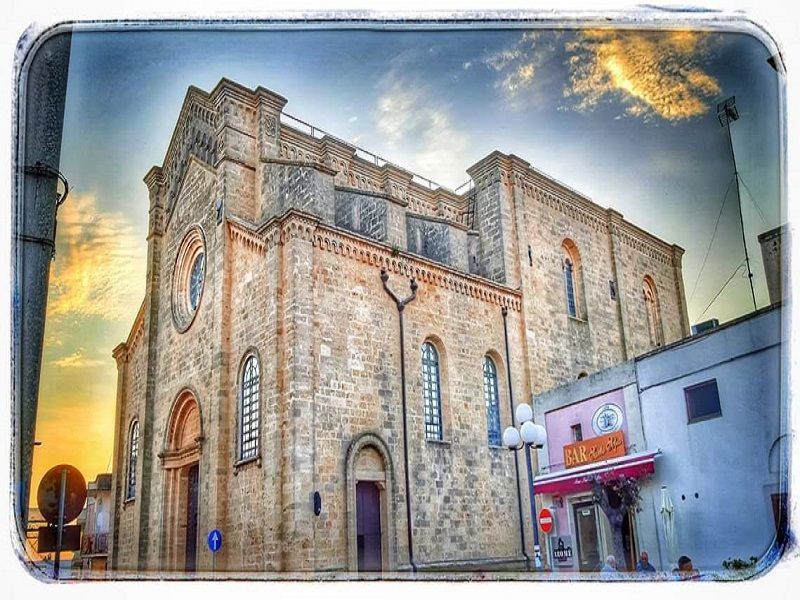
(653,311)
(431,392)
(490,396)
(573,280)
(249,409)
(133,455)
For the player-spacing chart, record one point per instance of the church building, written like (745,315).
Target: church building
(261,388)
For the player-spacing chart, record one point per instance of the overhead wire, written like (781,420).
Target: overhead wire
(713,236)
(714,299)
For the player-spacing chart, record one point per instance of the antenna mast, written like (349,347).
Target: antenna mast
(727,114)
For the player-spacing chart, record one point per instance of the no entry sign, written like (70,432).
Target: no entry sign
(546,520)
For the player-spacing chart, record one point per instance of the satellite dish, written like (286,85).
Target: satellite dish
(50,489)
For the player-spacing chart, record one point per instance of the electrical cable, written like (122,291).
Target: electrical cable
(708,250)
(714,299)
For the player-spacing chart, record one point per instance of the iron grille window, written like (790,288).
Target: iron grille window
(133,454)
(569,283)
(492,404)
(577,433)
(248,432)
(702,401)
(431,393)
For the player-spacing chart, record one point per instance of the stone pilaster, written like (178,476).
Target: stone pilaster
(120,354)
(614,223)
(156,185)
(494,219)
(296,344)
(677,267)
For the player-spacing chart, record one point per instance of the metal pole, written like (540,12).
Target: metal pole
(537,555)
(504,312)
(401,304)
(60,526)
(741,219)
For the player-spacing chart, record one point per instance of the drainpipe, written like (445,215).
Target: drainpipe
(401,304)
(516,459)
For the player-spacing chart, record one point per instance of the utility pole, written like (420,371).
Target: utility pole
(727,114)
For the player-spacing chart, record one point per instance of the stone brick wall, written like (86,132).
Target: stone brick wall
(437,240)
(305,188)
(362,214)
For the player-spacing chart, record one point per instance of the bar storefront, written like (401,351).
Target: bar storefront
(589,448)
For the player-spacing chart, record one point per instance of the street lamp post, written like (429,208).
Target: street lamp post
(529,435)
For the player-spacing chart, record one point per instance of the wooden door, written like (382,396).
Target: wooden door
(191,518)
(368,526)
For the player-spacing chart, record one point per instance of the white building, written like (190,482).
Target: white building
(706,418)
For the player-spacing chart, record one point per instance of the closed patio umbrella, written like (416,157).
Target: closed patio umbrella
(668,520)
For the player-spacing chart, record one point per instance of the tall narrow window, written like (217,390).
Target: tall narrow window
(573,280)
(569,283)
(653,312)
(431,392)
(133,454)
(248,423)
(492,404)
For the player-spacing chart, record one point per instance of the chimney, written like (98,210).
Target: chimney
(773,258)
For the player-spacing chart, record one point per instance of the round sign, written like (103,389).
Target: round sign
(50,489)
(214,540)
(546,520)
(607,419)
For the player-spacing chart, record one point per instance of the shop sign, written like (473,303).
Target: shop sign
(607,419)
(602,447)
(562,551)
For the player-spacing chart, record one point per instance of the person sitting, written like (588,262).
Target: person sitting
(644,565)
(686,569)
(609,570)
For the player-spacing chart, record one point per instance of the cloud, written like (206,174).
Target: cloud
(99,267)
(651,73)
(77,360)
(519,63)
(419,126)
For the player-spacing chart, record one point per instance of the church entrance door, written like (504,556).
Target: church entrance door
(368,527)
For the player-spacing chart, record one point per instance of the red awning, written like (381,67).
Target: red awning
(578,479)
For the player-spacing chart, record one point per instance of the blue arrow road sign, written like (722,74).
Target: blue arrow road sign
(215,540)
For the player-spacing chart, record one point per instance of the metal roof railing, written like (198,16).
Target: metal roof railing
(378,161)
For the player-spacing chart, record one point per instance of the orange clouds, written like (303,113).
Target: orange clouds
(652,73)
(99,266)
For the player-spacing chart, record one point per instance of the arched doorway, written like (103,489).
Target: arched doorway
(180,461)
(370,522)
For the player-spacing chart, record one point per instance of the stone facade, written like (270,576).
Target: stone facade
(295,231)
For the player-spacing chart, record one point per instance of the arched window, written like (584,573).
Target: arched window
(653,312)
(133,454)
(573,279)
(569,284)
(490,396)
(248,409)
(431,392)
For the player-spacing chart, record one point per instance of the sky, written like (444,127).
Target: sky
(627,118)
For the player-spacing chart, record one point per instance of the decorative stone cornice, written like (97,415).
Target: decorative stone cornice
(298,225)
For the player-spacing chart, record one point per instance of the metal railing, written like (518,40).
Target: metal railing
(317,133)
